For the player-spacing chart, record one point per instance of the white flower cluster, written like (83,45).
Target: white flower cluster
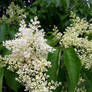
(76,36)
(57,35)
(15,14)
(28,57)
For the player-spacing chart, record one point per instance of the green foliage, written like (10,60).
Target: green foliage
(1,78)
(57,12)
(87,75)
(3,31)
(55,59)
(73,66)
(6,33)
(10,78)
(50,13)
(54,71)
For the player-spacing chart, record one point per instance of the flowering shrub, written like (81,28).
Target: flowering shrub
(28,58)
(44,47)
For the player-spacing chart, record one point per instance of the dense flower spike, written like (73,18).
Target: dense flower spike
(28,57)
(77,36)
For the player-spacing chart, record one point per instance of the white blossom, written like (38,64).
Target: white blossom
(77,36)
(29,57)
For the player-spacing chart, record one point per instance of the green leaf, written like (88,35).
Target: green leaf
(12,32)
(10,80)
(68,3)
(73,66)
(89,80)
(2,64)
(3,31)
(1,78)
(55,70)
(87,75)
(54,58)
(33,10)
(50,41)
(58,3)
(64,3)
(3,3)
